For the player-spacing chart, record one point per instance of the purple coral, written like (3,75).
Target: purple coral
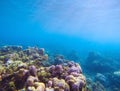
(56,70)
(33,70)
(71,63)
(59,68)
(75,69)
(50,83)
(52,68)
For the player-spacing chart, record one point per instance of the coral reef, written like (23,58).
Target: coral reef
(102,79)
(32,69)
(23,70)
(114,79)
(94,85)
(97,63)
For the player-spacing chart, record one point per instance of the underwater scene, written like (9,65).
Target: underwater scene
(59,45)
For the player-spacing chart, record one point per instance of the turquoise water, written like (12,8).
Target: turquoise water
(62,26)
(71,24)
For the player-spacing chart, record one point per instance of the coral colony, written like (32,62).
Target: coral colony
(25,70)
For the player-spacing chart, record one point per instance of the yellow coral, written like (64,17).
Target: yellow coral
(39,86)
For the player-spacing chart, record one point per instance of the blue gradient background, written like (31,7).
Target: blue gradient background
(74,24)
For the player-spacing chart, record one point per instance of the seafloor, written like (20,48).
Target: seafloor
(33,69)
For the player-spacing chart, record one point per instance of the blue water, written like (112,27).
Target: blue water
(63,26)
(91,25)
